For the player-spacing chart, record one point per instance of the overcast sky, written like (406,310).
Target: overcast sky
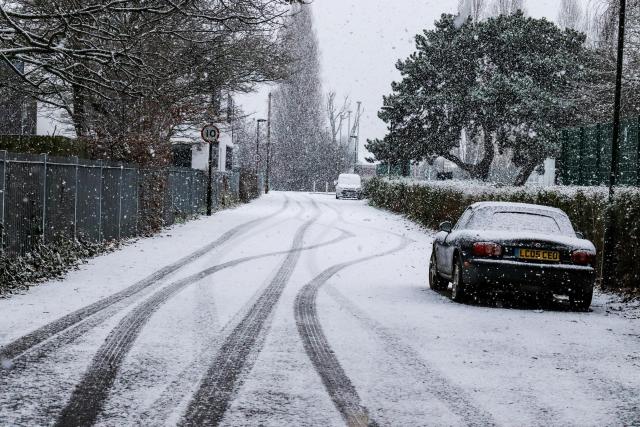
(361,40)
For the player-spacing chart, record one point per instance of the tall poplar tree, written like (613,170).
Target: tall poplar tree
(302,152)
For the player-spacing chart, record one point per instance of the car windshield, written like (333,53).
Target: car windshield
(349,180)
(489,219)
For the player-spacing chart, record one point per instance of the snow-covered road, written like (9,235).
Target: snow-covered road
(306,311)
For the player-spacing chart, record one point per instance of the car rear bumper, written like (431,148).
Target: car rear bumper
(350,194)
(525,276)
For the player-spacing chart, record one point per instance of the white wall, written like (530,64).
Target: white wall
(52,121)
(549,177)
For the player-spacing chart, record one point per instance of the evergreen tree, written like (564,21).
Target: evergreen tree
(506,81)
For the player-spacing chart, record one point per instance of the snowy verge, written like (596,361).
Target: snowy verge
(54,261)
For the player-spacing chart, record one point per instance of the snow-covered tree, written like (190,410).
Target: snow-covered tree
(596,95)
(507,7)
(506,82)
(570,15)
(475,9)
(128,71)
(302,150)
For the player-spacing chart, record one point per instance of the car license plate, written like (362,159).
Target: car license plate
(539,255)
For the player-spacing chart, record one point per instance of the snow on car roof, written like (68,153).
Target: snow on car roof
(512,205)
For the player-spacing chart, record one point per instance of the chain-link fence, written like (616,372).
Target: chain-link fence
(586,155)
(44,198)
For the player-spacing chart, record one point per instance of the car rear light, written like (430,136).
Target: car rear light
(583,257)
(487,249)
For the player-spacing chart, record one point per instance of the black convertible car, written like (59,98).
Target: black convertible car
(517,248)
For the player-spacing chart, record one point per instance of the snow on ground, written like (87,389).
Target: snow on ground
(412,356)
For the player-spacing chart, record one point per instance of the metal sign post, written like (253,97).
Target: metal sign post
(210,134)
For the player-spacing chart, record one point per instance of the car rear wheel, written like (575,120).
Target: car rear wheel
(458,293)
(581,300)
(436,282)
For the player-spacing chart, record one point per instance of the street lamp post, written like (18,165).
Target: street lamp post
(267,183)
(610,234)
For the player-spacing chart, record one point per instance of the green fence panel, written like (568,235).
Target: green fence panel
(586,154)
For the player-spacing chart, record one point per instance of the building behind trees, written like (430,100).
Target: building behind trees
(18,112)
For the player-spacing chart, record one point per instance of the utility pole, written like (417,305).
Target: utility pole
(266,186)
(610,234)
(258,144)
(356,137)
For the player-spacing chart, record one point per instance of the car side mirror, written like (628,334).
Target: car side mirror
(579,234)
(446,226)
(335,182)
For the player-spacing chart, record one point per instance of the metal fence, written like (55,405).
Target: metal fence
(586,155)
(44,198)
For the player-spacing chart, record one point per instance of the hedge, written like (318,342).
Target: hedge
(430,204)
(37,144)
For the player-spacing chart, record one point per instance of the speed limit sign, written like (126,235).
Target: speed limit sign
(210,134)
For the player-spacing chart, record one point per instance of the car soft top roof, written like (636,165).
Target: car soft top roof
(516,207)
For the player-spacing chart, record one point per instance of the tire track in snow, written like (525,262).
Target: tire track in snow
(90,394)
(185,383)
(455,398)
(338,385)
(211,400)
(312,259)
(159,412)
(173,395)
(182,386)
(77,331)
(17,348)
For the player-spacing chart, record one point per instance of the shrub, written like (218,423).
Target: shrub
(36,144)
(44,262)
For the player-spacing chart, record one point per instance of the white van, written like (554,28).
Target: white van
(349,186)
